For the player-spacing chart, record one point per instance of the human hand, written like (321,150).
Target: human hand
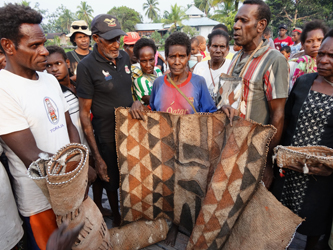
(136,111)
(62,239)
(268,175)
(92,175)
(102,169)
(230,112)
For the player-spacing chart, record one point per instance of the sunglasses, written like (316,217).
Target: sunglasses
(76,27)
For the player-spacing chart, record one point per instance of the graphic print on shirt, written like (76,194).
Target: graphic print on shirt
(107,75)
(51,109)
(127,69)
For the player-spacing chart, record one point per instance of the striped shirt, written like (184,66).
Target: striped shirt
(144,84)
(73,111)
(265,79)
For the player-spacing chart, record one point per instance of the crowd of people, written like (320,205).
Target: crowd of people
(50,98)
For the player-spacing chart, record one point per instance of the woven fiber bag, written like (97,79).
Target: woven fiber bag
(139,234)
(37,172)
(316,160)
(94,234)
(67,178)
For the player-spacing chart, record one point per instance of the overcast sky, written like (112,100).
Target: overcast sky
(101,6)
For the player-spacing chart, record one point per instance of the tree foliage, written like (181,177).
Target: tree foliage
(127,17)
(85,12)
(151,9)
(175,16)
(190,31)
(295,13)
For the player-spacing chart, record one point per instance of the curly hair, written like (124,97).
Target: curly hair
(56,49)
(178,38)
(143,42)
(310,26)
(264,12)
(218,32)
(11,18)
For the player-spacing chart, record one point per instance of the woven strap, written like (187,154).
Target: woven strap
(181,92)
(77,59)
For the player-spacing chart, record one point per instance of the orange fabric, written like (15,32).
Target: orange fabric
(42,226)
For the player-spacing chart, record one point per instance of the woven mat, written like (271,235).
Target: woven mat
(195,170)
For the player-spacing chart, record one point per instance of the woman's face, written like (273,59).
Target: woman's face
(325,58)
(313,42)
(177,59)
(219,48)
(147,60)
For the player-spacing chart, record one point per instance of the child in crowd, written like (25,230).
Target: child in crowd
(285,51)
(195,53)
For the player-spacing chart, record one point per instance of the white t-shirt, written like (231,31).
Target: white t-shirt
(11,230)
(202,69)
(40,106)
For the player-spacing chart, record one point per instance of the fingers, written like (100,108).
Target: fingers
(103,175)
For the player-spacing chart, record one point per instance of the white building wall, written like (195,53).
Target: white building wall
(205,30)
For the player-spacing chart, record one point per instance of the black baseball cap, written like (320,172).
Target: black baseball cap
(283,26)
(106,26)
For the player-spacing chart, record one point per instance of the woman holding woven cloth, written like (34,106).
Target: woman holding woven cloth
(309,122)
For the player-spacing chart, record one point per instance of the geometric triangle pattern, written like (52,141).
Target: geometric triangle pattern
(195,170)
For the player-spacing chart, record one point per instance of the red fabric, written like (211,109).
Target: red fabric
(281,43)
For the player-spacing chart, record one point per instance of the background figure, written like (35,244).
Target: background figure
(311,38)
(285,51)
(129,40)
(267,35)
(195,53)
(283,39)
(202,46)
(218,47)
(296,37)
(144,51)
(80,37)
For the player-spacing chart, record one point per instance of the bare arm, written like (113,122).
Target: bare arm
(85,106)
(27,151)
(72,131)
(276,110)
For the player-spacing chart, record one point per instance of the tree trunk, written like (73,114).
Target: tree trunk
(236,5)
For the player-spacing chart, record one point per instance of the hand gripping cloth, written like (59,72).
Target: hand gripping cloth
(195,170)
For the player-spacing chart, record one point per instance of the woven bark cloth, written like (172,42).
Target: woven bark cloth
(264,224)
(63,179)
(138,234)
(195,170)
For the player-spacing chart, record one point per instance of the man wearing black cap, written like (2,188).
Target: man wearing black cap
(283,39)
(103,84)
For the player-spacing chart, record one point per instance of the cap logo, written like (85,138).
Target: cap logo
(111,22)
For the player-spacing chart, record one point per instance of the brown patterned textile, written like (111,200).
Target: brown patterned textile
(265,224)
(195,170)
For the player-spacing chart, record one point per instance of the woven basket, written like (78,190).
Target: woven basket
(139,234)
(94,234)
(299,158)
(37,172)
(67,178)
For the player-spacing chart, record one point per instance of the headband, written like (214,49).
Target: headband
(299,31)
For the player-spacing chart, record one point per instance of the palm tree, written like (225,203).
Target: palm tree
(66,19)
(203,5)
(25,3)
(85,12)
(176,16)
(151,9)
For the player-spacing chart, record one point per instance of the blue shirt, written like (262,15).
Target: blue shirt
(165,97)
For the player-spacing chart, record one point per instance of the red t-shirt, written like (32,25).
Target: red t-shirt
(281,43)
